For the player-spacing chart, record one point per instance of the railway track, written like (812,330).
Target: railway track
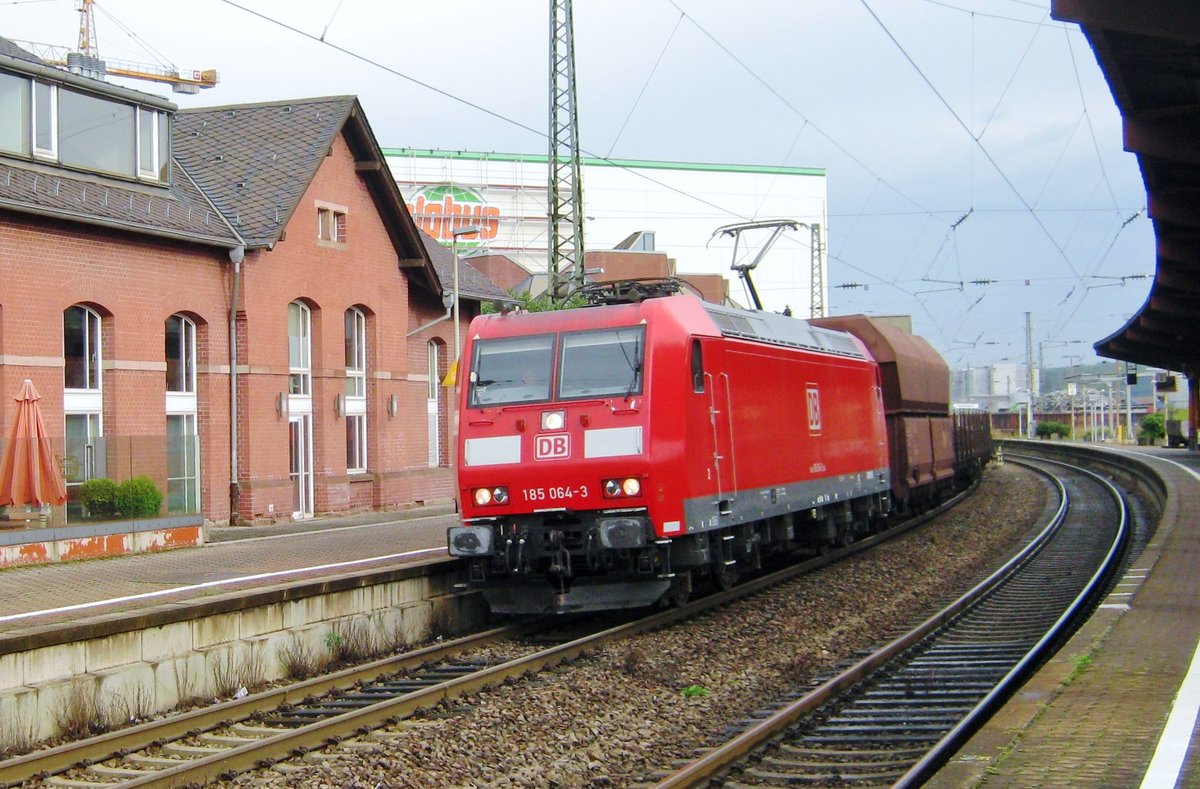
(265,728)
(894,717)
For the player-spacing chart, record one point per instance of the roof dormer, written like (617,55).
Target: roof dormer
(52,117)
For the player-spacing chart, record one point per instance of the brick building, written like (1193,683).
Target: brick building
(136,240)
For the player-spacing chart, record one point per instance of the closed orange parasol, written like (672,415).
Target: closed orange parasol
(28,473)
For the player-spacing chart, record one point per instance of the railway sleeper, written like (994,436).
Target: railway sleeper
(859,765)
(834,738)
(851,755)
(108,771)
(192,751)
(899,716)
(828,778)
(75,783)
(154,762)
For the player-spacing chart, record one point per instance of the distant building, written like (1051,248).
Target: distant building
(672,208)
(997,388)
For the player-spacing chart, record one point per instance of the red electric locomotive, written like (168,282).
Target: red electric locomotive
(608,455)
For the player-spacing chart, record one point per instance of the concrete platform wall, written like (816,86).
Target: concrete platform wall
(118,669)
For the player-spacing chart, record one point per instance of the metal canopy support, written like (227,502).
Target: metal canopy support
(565,267)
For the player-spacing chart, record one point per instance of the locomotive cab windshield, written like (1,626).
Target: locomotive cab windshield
(599,363)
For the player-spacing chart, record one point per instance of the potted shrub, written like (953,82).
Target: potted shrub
(138,498)
(99,497)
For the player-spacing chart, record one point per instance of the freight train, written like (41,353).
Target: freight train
(612,456)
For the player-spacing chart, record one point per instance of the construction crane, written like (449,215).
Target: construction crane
(86,60)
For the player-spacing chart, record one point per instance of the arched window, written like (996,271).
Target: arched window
(181,354)
(433,404)
(83,400)
(356,391)
(299,349)
(183,434)
(300,408)
(81,348)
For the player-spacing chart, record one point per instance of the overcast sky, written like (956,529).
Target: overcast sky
(922,112)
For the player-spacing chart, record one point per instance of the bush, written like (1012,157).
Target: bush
(138,498)
(99,496)
(1047,429)
(1153,427)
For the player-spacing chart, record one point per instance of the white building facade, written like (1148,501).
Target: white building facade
(681,204)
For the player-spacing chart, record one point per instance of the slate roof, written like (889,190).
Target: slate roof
(471,283)
(254,161)
(179,212)
(12,50)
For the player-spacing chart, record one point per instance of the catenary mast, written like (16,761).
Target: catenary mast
(565,268)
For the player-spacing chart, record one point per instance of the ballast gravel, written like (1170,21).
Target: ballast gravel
(626,713)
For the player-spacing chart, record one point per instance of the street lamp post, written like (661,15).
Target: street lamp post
(469,230)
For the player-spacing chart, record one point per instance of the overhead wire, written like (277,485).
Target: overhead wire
(654,69)
(921,210)
(1088,116)
(987,154)
(145,45)
(783,99)
(1002,17)
(1011,79)
(331,18)
(472,105)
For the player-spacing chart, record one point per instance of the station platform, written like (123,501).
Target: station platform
(1117,706)
(233,559)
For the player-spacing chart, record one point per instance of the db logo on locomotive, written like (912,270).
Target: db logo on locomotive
(552,447)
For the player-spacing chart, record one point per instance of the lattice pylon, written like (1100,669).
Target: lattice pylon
(565,209)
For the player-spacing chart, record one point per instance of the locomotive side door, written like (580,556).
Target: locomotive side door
(715,388)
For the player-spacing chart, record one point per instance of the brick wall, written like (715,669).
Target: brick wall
(134,284)
(362,273)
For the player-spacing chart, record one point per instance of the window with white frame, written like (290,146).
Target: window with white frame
(85,130)
(44,120)
(83,402)
(180,354)
(81,349)
(331,224)
(299,349)
(356,391)
(183,436)
(433,404)
(14,114)
(153,143)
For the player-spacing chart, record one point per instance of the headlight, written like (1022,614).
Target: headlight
(553,420)
(621,487)
(490,496)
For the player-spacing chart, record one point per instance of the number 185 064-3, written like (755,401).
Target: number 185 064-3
(556,493)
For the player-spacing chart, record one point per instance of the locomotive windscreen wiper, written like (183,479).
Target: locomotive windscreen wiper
(636,365)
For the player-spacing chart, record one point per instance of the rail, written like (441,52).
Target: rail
(247,746)
(740,748)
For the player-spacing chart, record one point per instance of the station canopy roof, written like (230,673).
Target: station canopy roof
(1149,52)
